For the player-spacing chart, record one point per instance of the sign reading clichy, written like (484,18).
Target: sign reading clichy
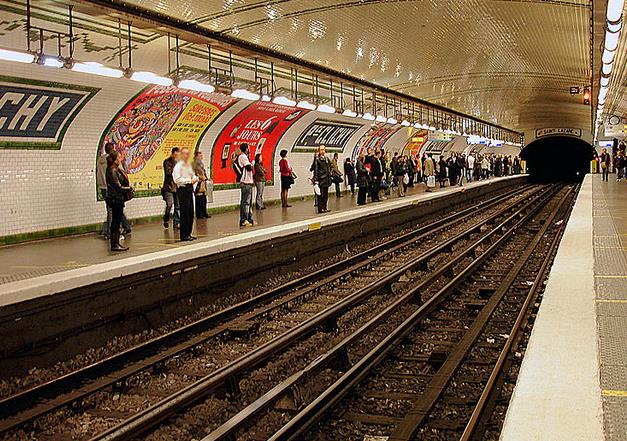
(36,115)
(558,131)
(333,135)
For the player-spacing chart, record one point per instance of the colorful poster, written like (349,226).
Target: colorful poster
(260,125)
(415,143)
(334,135)
(375,138)
(36,114)
(156,120)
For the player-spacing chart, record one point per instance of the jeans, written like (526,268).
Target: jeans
(245,204)
(259,199)
(171,199)
(106,225)
(606,173)
(469,173)
(338,191)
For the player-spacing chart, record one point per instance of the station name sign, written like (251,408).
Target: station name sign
(36,115)
(558,131)
(332,134)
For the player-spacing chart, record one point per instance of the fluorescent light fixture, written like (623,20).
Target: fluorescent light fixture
(405,123)
(20,57)
(432,128)
(284,101)
(349,112)
(611,40)
(615,10)
(381,118)
(607,68)
(196,85)
(392,121)
(603,92)
(605,81)
(614,27)
(368,116)
(91,67)
(326,109)
(608,56)
(151,78)
(304,104)
(266,98)
(50,61)
(245,94)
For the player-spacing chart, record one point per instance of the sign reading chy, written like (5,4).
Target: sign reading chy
(36,115)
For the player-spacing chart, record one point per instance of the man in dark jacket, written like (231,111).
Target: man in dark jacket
(168,191)
(322,176)
(376,173)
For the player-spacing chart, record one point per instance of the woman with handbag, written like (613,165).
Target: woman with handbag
(259,177)
(118,192)
(200,194)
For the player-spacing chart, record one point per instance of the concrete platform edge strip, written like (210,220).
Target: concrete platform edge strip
(23,290)
(558,394)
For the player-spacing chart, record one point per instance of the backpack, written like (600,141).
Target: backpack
(237,169)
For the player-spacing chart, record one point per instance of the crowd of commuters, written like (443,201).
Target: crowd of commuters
(375,175)
(616,162)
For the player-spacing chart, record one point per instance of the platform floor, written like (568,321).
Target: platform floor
(573,380)
(38,258)
(610,284)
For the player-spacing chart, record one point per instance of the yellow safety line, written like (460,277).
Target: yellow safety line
(611,276)
(614,393)
(611,301)
(156,244)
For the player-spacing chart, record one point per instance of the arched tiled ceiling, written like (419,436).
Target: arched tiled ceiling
(507,61)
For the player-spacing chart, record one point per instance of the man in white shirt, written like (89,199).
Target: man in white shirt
(246,186)
(470,162)
(184,178)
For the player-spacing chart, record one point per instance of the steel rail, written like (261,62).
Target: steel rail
(494,381)
(408,427)
(229,374)
(58,388)
(300,423)
(245,417)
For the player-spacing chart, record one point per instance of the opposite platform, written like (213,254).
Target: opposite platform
(572,384)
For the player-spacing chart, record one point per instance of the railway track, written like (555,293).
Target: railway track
(431,373)
(255,330)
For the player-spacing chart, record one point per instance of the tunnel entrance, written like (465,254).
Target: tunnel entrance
(558,158)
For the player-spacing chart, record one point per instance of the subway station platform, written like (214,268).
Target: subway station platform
(573,379)
(46,267)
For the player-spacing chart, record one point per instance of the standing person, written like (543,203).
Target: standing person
(200,195)
(350,176)
(311,169)
(362,180)
(461,169)
(485,167)
(374,170)
(118,189)
(410,166)
(322,176)
(605,165)
(168,190)
(259,176)
(429,171)
(442,171)
(184,178)
(101,178)
(399,175)
(470,164)
(287,178)
(246,188)
(336,175)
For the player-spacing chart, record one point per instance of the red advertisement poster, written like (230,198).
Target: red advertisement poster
(260,125)
(374,138)
(415,143)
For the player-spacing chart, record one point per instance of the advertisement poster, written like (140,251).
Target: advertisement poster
(156,120)
(260,125)
(415,143)
(375,138)
(36,114)
(333,135)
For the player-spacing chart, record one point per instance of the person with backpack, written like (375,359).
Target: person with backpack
(244,170)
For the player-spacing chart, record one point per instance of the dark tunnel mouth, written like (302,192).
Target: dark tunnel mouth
(558,158)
